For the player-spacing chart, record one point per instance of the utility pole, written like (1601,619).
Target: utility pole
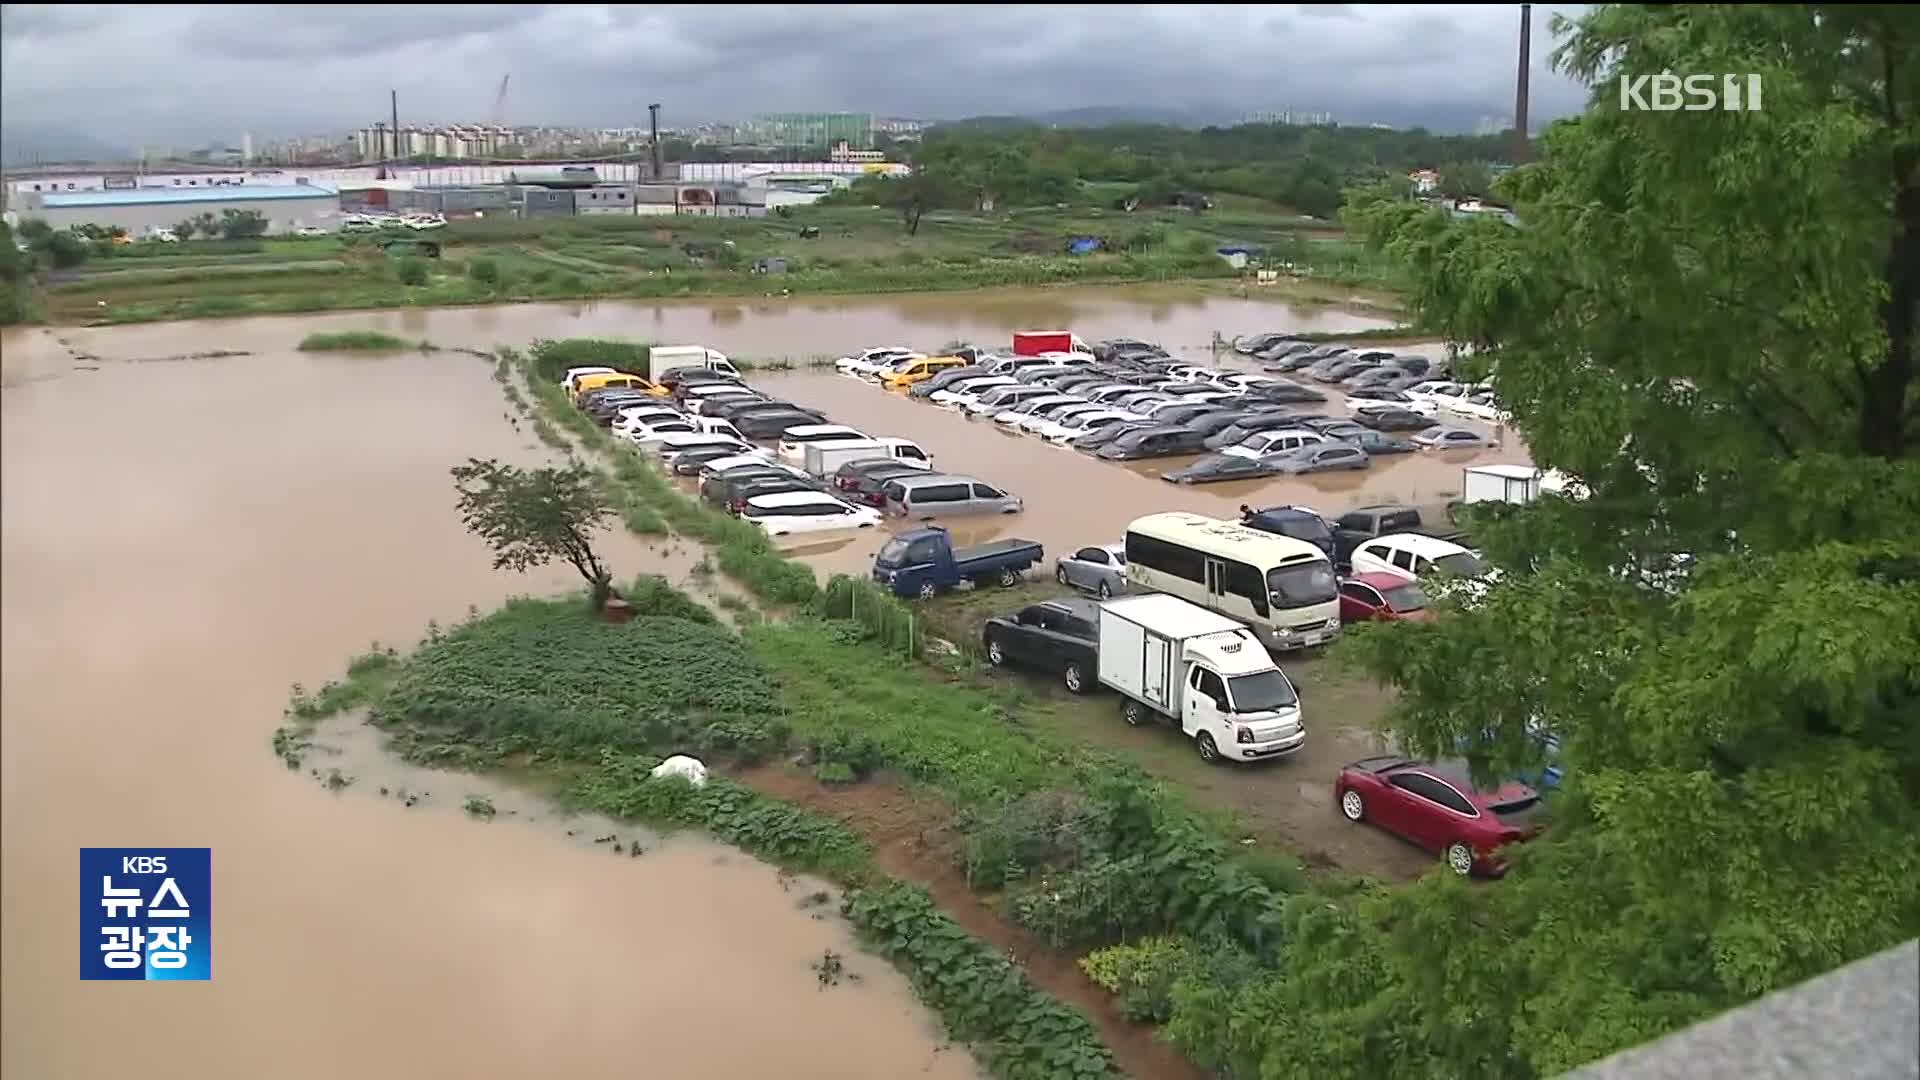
(1520,145)
(653,120)
(394,98)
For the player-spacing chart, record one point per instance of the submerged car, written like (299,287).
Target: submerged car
(1449,438)
(1438,806)
(1312,459)
(1159,440)
(1218,468)
(1394,420)
(1376,443)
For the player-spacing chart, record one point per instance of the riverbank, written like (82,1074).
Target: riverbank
(834,711)
(816,252)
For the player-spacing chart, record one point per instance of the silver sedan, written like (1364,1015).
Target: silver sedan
(1100,569)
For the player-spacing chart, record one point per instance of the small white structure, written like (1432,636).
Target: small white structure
(1500,483)
(684,767)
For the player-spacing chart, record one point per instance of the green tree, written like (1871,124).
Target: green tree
(1708,318)
(530,517)
(35,231)
(185,229)
(410,271)
(1465,180)
(237,224)
(66,249)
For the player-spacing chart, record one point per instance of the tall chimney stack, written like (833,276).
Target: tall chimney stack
(394,97)
(653,119)
(1520,145)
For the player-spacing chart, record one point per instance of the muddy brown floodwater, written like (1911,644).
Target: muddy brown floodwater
(182,541)
(1074,499)
(1183,318)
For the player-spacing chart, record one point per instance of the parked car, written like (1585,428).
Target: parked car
(1332,457)
(1243,429)
(1417,555)
(940,493)
(1386,376)
(1215,468)
(1218,418)
(1438,806)
(791,512)
(1099,437)
(1481,406)
(1374,398)
(1003,398)
(734,410)
(1432,390)
(1442,437)
(1297,522)
(1272,444)
(773,424)
(1285,394)
(1159,440)
(1341,430)
(690,462)
(847,477)
(1056,636)
(1293,361)
(635,416)
(910,372)
(869,485)
(1363,523)
(928,387)
(923,562)
(1368,597)
(1101,568)
(749,488)
(794,440)
(1046,416)
(671,446)
(1376,443)
(1394,420)
(1253,343)
(868,361)
(1072,428)
(965,393)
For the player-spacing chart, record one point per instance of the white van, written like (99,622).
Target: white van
(1201,672)
(1283,588)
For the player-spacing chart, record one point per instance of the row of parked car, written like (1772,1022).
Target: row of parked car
(1184,658)
(784,467)
(1129,400)
(1375,378)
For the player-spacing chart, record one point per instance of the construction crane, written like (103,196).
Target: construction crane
(499,117)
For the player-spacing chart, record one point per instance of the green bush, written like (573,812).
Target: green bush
(653,596)
(891,622)
(1022,1033)
(410,271)
(551,359)
(1141,975)
(357,341)
(484,271)
(1041,830)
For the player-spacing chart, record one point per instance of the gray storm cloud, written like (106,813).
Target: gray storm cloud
(177,73)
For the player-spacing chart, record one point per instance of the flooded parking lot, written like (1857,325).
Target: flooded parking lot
(182,542)
(1073,499)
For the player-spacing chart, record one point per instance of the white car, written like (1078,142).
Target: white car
(309,232)
(1431,391)
(1266,444)
(754,457)
(794,440)
(1428,559)
(575,374)
(1033,423)
(871,360)
(790,512)
(674,442)
(1020,410)
(967,391)
(1239,382)
(422,222)
(1362,406)
(1003,398)
(644,434)
(1481,406)
(645,416)
(1191,373)
(1072,428)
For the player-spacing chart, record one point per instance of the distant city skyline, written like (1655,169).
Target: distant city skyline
(184,74)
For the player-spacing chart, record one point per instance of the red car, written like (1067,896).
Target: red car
(1382,596)
(1437,805)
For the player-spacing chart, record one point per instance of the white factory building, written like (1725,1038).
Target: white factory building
(141,210)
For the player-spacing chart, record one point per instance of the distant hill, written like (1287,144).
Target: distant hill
(1100,116)
(20,145)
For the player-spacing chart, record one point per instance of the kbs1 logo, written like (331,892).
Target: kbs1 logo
(146,913)
(1667,92)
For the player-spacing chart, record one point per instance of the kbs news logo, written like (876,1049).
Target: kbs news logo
(146,913)
(1667,92)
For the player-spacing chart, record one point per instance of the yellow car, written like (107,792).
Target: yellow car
(919,371)
(616,379)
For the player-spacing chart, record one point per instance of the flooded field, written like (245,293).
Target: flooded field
(1074,499)
(182,541)
(1183,318)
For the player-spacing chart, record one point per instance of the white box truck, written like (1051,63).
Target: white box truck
(662,358)
(825,458)
(1202,672)
(1518,484)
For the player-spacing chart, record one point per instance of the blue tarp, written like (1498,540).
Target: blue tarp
(1082,245)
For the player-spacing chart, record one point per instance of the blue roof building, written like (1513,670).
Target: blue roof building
(140,210)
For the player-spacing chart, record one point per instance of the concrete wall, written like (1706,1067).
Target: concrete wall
(283,215)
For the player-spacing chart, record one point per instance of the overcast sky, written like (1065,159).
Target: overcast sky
(185,73)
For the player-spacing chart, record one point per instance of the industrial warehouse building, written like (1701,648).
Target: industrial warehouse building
(141,210)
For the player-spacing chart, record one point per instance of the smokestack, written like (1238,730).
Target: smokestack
(653,119)
(1520,146)
(394,98)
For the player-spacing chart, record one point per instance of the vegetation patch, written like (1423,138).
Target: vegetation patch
(359,341)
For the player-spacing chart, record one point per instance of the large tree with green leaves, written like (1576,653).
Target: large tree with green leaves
(1709,317)
(530,517)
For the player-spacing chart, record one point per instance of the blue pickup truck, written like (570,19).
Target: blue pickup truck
(924,562)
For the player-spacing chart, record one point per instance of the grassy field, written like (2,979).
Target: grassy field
(856,250)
